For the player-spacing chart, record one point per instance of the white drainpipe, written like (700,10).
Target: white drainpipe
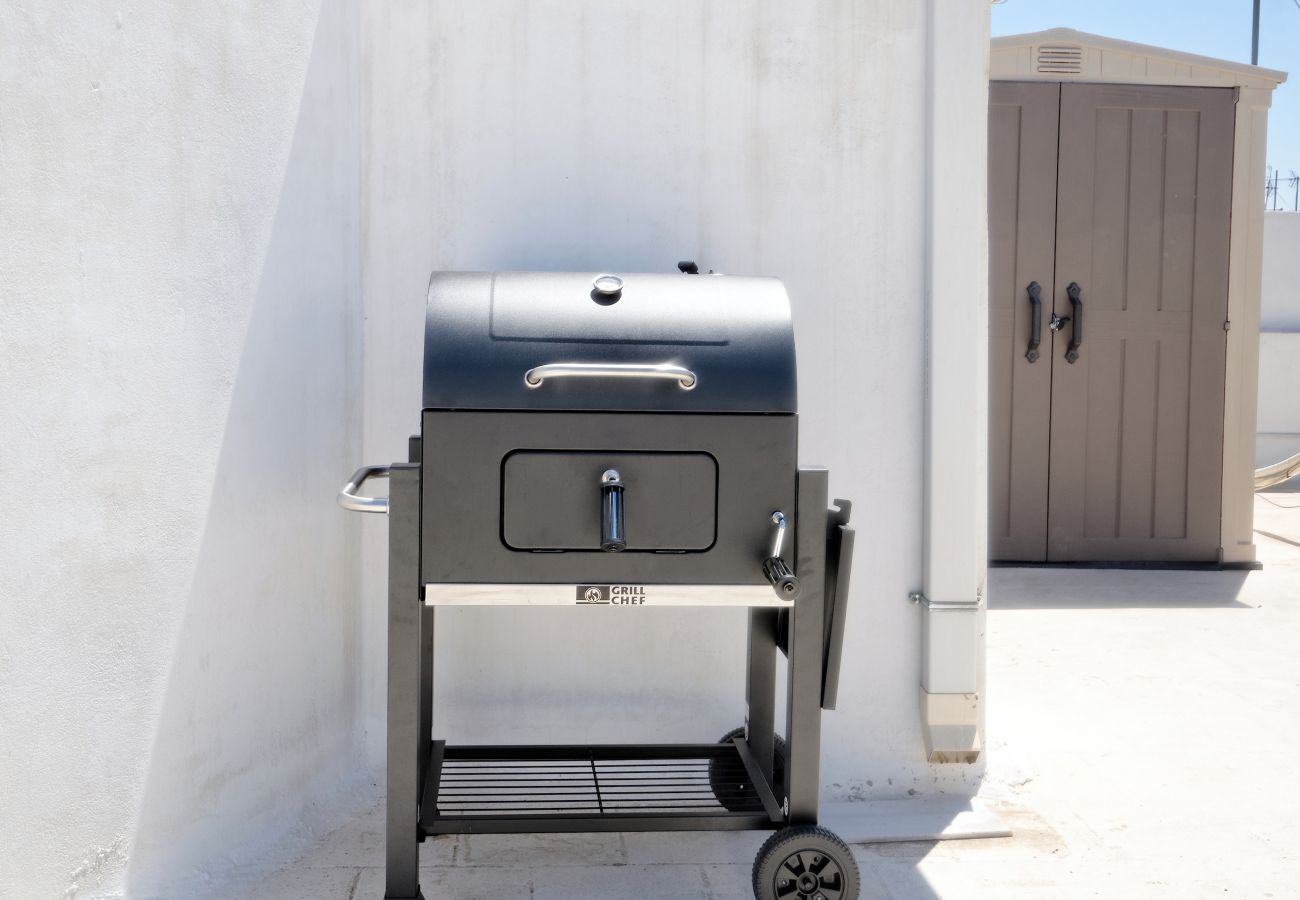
(951,599)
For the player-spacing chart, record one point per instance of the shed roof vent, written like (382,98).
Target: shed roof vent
(1060,59)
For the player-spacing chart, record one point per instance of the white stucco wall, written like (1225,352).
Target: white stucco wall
(198,205)
(1279,344)
(1280,285)
(766,138)
(180,365)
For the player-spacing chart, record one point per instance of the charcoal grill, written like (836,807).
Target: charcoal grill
(602,441)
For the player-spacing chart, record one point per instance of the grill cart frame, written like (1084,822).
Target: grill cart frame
(749,780)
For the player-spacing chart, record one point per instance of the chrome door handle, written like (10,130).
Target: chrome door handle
(1074,292)
(1035,320)
(684,377)
(349,498)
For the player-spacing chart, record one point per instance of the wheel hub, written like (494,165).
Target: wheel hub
(809,875)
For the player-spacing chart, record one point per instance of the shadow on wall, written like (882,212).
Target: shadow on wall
(257,722)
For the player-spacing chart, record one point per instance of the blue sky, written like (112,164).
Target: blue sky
(1218,28)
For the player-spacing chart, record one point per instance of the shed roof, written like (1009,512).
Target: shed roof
(1063,54)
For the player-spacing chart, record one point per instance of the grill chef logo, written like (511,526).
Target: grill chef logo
(611,594)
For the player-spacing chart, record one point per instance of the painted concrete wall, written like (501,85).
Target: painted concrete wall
(180,352)
(1280,291)
(196,203)
(753,137)
(1278,430)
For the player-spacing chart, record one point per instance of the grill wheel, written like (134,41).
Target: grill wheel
(805,862)
(725,789)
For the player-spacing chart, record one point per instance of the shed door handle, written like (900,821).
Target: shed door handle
(684,377)
(1035,320)
(1074,292)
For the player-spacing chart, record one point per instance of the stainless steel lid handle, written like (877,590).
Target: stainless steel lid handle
(684,377)
(349,498)
(779,575)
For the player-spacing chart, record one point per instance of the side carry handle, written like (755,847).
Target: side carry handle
(349,498)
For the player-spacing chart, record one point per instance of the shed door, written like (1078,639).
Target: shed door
(1022,239)
(1143,200)
(1132,440)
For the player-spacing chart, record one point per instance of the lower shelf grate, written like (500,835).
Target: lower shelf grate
(588,786)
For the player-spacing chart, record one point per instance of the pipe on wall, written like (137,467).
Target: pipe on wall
(951,601)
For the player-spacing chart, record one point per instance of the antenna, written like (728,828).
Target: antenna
(1254,36)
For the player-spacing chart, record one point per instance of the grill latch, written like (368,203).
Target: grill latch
(780,576)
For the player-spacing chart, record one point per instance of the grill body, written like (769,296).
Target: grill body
(512,469)
(590,439)
(514,497)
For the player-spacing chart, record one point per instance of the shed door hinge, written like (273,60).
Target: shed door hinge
(1227,324)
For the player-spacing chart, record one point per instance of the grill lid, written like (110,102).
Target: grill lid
(596,341)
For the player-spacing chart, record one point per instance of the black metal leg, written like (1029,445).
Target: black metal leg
(760,687)
(407,745)
(415,449)
(426,689)
(414,452)
(804,671)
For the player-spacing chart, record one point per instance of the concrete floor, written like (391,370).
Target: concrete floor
(1139,724)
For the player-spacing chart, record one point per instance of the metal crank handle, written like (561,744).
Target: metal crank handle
(779,575)
(684,377)
(349,498)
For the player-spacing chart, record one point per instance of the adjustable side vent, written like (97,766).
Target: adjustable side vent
(1060,59)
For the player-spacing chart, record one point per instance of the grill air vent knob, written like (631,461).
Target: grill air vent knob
(606,289)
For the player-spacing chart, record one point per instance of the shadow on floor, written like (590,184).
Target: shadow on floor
(1062,588)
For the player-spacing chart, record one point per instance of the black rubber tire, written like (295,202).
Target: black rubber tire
(808,852)
(725,789)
